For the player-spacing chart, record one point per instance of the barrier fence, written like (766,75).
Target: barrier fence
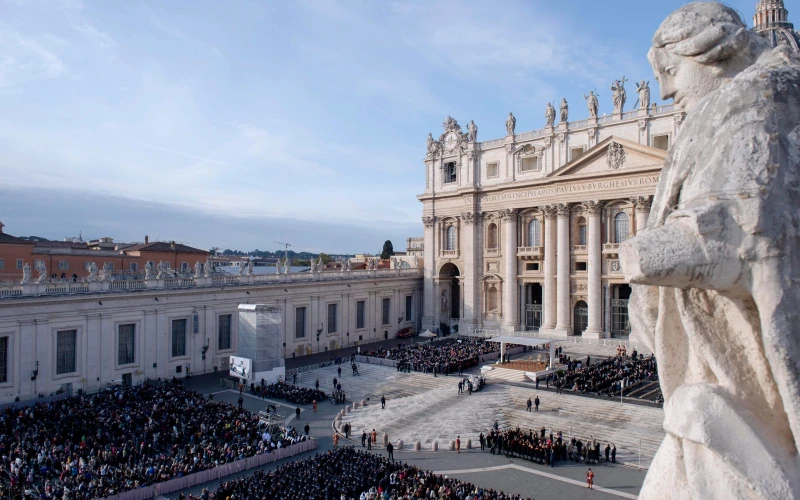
(218,472)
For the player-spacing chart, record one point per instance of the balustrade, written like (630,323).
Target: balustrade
(530,253)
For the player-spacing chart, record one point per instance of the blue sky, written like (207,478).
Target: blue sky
(239,123)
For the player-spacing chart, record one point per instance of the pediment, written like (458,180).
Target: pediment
(612,155)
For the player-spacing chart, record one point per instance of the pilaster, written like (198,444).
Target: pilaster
(429,294)
(510,307)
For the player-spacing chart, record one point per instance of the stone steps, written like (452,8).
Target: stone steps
(507,375)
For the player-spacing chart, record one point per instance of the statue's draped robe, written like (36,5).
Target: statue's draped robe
(723,249)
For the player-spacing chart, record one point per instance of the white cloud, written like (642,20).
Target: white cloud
(27,58)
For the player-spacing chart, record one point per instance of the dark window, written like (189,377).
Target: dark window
(409,312)
(360,316)
(580,266)
(385,307)
(300,323)
(66,351)
(332,318)
(3,360)
(126,352)
(224,332)
(450,172)
(178,337)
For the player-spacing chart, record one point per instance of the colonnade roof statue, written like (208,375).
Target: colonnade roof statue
(716,273)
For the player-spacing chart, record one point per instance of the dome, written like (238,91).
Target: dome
(771,20)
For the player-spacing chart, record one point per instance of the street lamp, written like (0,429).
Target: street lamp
(319,332)
(205,350)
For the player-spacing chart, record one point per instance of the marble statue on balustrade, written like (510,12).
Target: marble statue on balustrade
(241,268)
(278,266)
(715,274)
(349,266)
(643,89)
(208,268)
(42,269)
(472,132)
(312,266)
(106,272)
(320,265)
(550,115)
(161,270)
(198,269)
(287,265)
(148,271)
(592,103)
(92,271)
(511,123)
(564,108)
(249,267)
(619,95)
(26,274)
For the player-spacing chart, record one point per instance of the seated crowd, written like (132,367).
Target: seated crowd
(121,439)
(287,392)
(606,376)
(347,474)
(441,357)
(546,449)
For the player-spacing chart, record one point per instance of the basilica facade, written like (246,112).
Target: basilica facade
(521,232)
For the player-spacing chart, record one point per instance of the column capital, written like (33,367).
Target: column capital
(549,211)
(429,221)
(562,210)
(471,218)
(510,214)
(642,203)
(592,207)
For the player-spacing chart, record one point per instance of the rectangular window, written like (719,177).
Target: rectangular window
(361,322)
(530,164)
(3,360)
(300,323)
(126,353)
(63,265)
(580,266)
(184,267)
(38,263)
(409,312)
(134,266)
(661,142)
(531,266)
(582,234)
(576,153)
(19,264)
(492,169)
(66,349)
(2,264)
(178,337)
(224,332)
(450,172)
(332,318)
(385,307)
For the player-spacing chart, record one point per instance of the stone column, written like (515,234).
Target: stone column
(468,295)
(549,292)
(607,308)
(562,267)
(429,294)
(594,328)
(510,306)
(642,212)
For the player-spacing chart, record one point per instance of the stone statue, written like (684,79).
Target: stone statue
(550,115)
(472,132)
(42,269)
(312,266)
(349,266)
(320,265)
(106,272)
(715,274)
(445,309)
(643,89)
(26,274)
(148,271)
(241,267)
(162,270)
(564,110)
(278,266)
(511,124)
(592,103)
(198,269)
(92,271)
(287,265)
(208,268)
(619,96)
(249,267)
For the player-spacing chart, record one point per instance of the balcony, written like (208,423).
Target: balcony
(579,250)
(448,254)
(611,250)
(530,253)
(492,252)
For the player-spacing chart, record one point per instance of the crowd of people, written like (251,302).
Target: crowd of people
(444,357)
(348,474)
(124,438)
(287,392)
(604,377)
(545,449)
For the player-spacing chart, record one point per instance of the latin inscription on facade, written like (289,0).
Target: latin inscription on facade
(571,188)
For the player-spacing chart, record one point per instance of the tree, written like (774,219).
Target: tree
(325,258)
(388,250)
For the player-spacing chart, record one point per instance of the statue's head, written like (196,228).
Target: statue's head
(698,48)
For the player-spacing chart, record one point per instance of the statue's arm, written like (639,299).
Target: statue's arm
(697,248)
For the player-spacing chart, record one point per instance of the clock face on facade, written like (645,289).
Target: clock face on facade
(450,140)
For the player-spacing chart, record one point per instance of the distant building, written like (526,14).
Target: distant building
(415,247)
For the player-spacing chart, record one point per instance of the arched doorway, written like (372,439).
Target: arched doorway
(450,296)
(533,306)
(581,317)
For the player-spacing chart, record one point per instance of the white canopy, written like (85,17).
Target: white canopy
(427,333)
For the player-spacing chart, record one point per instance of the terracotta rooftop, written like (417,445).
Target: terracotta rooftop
(164,246)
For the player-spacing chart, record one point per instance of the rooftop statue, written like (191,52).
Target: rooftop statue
(511,123)
(592,103)
(564,110)
(619,96)
(715,273)
(550,115)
